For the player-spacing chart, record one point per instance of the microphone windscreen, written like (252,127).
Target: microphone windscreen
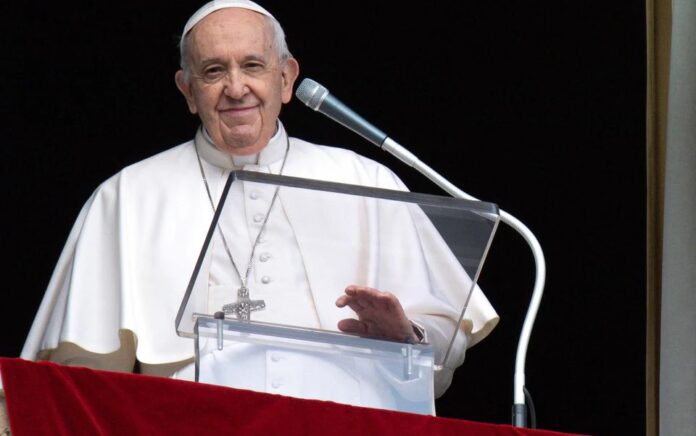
(311,93)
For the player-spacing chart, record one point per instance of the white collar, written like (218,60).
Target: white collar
(271,153)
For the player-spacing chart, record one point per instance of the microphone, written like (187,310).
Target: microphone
(317,97)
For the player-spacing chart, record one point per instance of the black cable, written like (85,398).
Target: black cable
(530,405)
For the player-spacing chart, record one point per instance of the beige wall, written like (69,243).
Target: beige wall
(677,391)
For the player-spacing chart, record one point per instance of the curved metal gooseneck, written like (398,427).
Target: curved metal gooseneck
(318,98)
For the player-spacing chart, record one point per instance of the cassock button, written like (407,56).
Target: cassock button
(264,257)
(258,217)
(254,195)
(276,384)
(275,358)
(265,280)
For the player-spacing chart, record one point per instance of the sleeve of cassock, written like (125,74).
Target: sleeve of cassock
(431,285)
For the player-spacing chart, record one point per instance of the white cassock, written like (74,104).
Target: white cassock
(116,290)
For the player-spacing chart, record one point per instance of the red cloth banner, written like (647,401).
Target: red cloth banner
(45,398)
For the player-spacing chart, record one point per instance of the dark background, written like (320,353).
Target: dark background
(535,106)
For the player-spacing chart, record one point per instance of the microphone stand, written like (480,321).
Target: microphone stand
(519,408)
(318,98)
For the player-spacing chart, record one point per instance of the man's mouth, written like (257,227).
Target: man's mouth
(237,109)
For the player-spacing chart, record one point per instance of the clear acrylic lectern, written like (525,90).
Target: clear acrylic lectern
(308,240)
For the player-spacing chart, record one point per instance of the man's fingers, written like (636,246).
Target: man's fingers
(355,290)
(358,305)
(372,298)
(379,313)
(342,301)
(352,326)
(359,298)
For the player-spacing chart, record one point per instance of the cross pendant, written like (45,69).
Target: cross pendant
(244,305)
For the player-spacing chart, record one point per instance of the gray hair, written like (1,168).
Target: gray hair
(279,44)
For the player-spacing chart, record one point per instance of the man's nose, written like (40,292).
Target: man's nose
(235,85)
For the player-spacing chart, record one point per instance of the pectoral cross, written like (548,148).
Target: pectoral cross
(244,305)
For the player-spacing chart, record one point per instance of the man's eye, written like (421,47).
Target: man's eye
(254,67)
(214,72)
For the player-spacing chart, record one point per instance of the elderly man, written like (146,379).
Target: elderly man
(116,289)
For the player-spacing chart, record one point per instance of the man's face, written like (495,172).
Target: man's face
(237,83)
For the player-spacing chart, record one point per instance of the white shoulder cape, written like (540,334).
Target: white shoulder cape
(126,263)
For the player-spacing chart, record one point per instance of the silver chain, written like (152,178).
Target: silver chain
(244,280)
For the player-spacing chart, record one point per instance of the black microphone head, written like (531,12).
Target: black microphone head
(311,93)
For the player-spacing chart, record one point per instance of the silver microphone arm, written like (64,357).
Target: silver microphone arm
(519,408)
(318,98)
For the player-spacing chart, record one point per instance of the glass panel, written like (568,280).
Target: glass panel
(297,259)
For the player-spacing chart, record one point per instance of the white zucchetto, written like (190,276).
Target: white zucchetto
(216,5)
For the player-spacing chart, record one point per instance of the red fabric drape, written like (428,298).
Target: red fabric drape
(45,398)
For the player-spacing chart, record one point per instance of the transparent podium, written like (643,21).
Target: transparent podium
(261,303)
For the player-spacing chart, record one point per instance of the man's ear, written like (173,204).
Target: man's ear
(185,88)
(291,71)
